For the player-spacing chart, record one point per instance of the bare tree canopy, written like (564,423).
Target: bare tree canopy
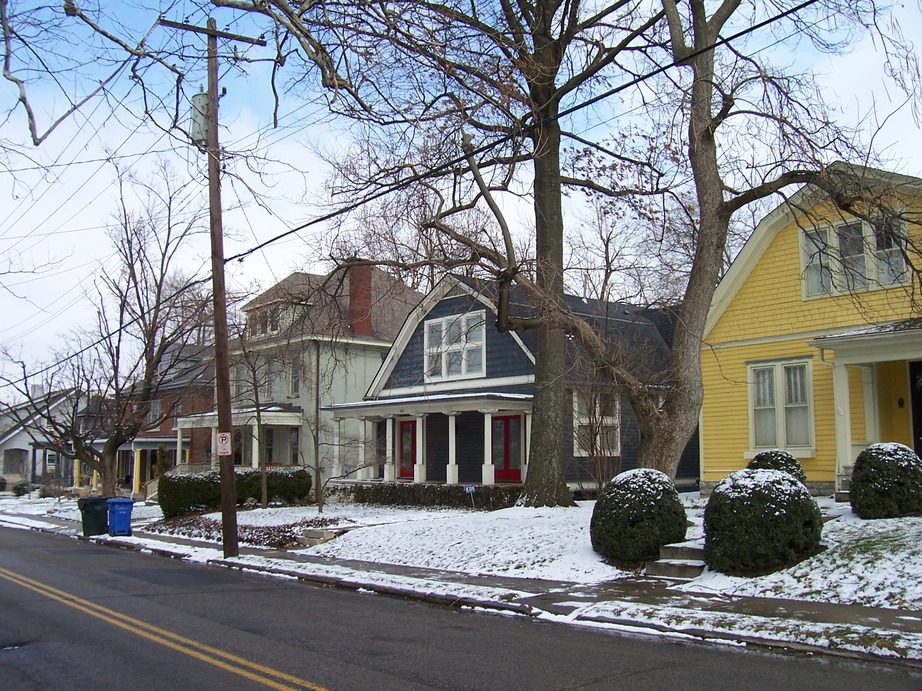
(150,331)
(458,110)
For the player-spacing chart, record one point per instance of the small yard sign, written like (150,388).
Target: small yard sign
(469,489)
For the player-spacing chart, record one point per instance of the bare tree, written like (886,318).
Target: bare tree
(424,79)
(148,317)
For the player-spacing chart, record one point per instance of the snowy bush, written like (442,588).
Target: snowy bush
(636,513)
(759,520)
(886,482)
(22,488)
(181,494)
(778,459)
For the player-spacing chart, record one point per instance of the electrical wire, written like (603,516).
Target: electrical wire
(453,162)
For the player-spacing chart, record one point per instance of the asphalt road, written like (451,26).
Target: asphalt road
(75,615)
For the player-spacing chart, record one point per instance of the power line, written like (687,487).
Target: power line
(453,162)
(406,182)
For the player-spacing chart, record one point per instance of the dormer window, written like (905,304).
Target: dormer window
(264,321)
(455,347)
(852,256)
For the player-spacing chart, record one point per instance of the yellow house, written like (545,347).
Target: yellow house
(813,343)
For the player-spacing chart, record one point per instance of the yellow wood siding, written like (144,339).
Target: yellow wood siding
(725,413)
(771,304)
(769,319)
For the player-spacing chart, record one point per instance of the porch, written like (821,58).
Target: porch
(877,389)
(477,438)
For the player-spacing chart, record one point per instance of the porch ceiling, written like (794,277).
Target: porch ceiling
(289,416)
(900,340)
(438,403)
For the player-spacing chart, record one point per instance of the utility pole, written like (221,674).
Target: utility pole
(222,356)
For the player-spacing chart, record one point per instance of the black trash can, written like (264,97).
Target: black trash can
(93,511)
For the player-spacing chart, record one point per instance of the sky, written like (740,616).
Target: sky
(54,220)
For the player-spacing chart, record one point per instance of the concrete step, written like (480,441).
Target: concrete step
(842,496)
(317,536)
(688,551)
(681,569)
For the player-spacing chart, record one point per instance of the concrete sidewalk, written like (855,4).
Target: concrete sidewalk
(634,603)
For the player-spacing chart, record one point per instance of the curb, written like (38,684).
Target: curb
(432,598)
(460,602)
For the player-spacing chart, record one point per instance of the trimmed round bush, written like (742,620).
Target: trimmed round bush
(636,513)
(759,520)
(886,482)
(778,459)
(22,488)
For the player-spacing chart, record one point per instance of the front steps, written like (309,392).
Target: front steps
(682,561)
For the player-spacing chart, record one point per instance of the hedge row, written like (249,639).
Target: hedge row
(406,494)
(181,494)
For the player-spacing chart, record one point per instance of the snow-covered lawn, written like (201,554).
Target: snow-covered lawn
(874,563)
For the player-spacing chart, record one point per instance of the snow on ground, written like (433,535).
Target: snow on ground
(872,563)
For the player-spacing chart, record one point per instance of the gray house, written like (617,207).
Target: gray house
(452,400)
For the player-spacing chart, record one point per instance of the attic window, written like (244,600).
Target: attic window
(264,321)
(455,347)
(852,256)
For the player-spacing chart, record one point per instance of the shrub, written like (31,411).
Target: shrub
(22,487)
(759,520)
(2,484)
(636,513)
(407,494)
(886,482)
(181,494)
(778,459)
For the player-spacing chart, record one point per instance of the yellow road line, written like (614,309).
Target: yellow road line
(219,658)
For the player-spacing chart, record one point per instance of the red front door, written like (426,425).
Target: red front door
(507,448)
(407,453)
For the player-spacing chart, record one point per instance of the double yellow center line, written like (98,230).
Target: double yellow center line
(213,656)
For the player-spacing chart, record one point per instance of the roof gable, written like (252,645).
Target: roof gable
(781,217)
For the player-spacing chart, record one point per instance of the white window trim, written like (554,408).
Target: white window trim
(294,376)
(607,421)
(838,277)
(463,345)
(808,451)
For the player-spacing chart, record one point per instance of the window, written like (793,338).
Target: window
(852,256)
(269,440)
(293,445)
(780,410)
(177,413)
(595,424)
(153,413)
(240,381)
(294,379)
(264,321)
(455,347)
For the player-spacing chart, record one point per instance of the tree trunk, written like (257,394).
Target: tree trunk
(545,484)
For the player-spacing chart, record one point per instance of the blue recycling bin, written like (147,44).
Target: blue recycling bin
(120,516)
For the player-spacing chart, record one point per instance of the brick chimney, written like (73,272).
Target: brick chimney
(360,299)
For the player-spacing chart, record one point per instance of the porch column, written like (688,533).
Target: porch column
(389,450)
(362,472)
(214,448)
(136,473)
(179,446)
(451,473)
(419,468)
(843,420)
(254,456)
(527,417)
(337,459)
(489,472)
